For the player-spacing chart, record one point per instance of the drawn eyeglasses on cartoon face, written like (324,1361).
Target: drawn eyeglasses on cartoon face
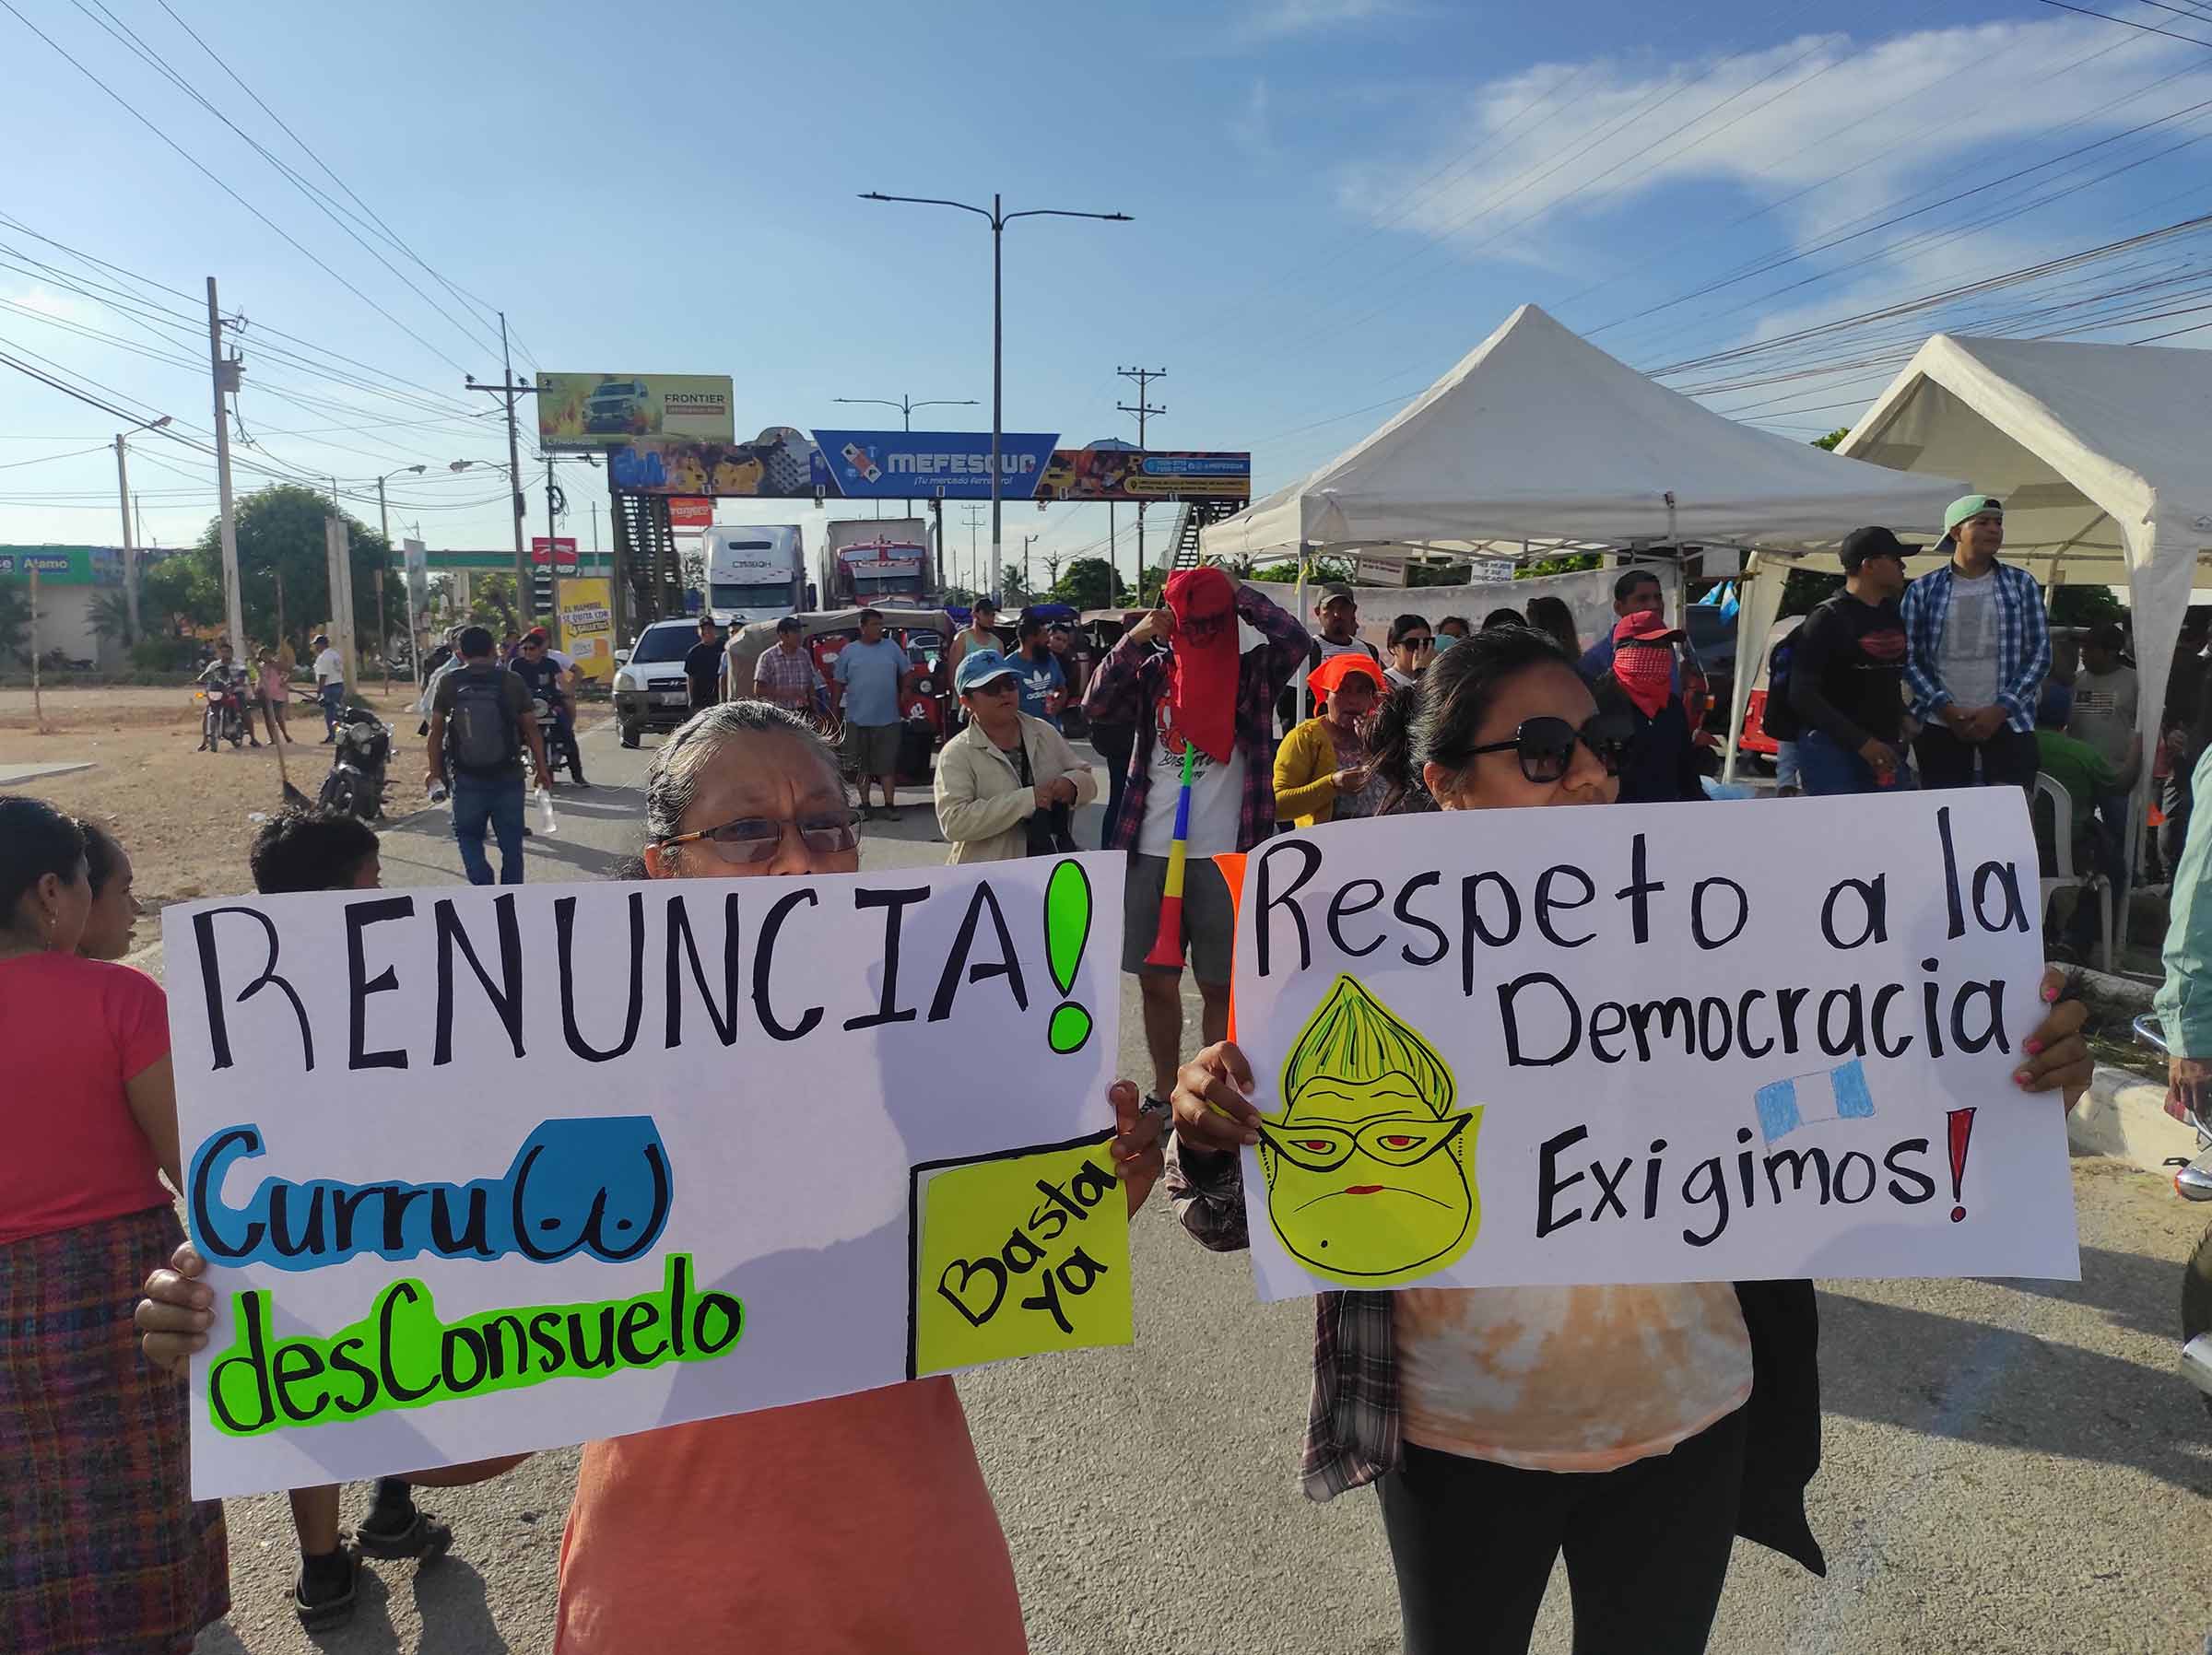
(1324,1146)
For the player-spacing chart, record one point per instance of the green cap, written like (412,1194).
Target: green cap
(1970,505)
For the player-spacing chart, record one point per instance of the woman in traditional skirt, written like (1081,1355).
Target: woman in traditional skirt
(102,1551)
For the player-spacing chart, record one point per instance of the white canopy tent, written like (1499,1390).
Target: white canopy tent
(1538,436)
(2101,453)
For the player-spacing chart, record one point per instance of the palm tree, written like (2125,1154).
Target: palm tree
(111,618)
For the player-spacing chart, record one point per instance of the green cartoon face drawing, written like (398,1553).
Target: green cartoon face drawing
(1367,1164)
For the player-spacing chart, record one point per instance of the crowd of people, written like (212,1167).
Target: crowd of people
(1632,1429)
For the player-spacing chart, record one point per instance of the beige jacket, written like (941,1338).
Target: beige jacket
(983,808)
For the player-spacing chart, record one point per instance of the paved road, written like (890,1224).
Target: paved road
(2009,1466)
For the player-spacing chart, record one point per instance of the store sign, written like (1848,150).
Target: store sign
(954,465)
(558,550)
(690,511)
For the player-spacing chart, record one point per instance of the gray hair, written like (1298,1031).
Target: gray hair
(673,783)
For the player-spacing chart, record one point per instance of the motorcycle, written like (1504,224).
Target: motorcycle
(356,784)
(224,716)
(557,722)
(2192,1181)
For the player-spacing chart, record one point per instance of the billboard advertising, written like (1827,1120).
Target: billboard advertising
(955,465)
(1126,474)
(587,627)
(778,465)
(607,410)
(690,512)
(558,550)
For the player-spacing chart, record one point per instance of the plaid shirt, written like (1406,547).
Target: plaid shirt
(1129,684)
(792,680)
(2023,643)
(1352,1423)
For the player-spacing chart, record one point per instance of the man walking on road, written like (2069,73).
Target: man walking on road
(872,675)
(480,723)
(330,686)
(2106,699)
(1201,696)
(1978,647)
(1847,670)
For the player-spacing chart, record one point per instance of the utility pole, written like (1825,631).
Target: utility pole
(1143,378)
(227,372)
(1026,542)
(508,389)
(974,513)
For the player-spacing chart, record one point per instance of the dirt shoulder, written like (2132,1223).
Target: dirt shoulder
(186,818)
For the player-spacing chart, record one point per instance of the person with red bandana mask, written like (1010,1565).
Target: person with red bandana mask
(1203,693)
(1662,760)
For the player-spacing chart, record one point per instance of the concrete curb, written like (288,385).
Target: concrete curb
(2125,1116)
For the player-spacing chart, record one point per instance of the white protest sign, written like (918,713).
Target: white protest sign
(1650,1044)
(481,1170)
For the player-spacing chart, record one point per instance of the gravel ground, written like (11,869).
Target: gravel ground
(2011,1466)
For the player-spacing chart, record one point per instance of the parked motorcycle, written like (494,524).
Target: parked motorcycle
(2192,1181)
(356,784)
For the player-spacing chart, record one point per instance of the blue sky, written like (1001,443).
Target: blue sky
(1334,200)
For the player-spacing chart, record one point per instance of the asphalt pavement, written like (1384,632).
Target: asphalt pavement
(2010,1466)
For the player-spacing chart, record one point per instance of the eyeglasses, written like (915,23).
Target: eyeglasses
(1323,1145)
(1545,746)
(752,840)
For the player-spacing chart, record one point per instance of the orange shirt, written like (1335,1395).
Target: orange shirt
(1569,1378)
(857,1525)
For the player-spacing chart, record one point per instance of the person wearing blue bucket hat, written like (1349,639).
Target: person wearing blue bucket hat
(1008,783)
(1978,649)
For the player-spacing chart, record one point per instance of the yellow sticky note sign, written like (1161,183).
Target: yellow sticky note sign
(1016,1253)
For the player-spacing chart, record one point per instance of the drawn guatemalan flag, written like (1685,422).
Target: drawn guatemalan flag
(1838,1094)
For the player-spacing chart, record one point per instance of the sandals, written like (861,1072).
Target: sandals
(326,1614)
(426,1539)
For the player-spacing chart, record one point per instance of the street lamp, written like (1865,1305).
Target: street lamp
(383,632)
(130,547)
(999,220)
(906,407)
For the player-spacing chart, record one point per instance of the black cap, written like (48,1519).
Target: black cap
(787,623)
(1862,544)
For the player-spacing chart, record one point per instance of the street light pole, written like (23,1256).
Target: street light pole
(384,631)
(999,218)
(906,407)
(130,544)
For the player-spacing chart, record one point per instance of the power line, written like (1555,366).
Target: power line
(2126,22)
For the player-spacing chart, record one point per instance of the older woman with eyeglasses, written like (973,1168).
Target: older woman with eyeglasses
(852,1526)
(1635,1429)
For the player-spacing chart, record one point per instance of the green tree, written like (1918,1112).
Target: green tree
(182,591)
(1320,572)
(280,532)
(2085,607)
(1088,583)
(1570,564)
(491,603)
(15,617)
(1833,437)
(111,618)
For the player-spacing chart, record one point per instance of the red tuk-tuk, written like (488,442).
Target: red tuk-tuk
(925,709)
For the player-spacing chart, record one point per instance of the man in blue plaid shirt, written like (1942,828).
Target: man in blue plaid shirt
(1977,648)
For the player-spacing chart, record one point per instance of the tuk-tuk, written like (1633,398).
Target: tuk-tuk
(925,711)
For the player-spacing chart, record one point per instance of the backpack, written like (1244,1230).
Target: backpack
(1778,718)
(481,736)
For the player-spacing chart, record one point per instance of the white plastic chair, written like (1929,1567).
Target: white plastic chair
(2091,881)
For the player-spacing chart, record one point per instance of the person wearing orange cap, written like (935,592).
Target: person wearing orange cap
(1322,773)
(1662,760)
(1207,698)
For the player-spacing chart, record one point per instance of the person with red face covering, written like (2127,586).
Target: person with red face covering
(1662,761)
(1207,696)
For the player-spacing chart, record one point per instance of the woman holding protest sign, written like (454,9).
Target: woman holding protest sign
(104,1552)
(856,1525)
(1636,1429)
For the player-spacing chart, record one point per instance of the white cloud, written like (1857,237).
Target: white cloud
(1282,20)
(1249,127)
(1536,158)
(67,307)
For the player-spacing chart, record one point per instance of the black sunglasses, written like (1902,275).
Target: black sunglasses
(1545,746)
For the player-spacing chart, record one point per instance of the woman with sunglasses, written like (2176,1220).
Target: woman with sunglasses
(855,1525)
(1412,646)
(1636,1429)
